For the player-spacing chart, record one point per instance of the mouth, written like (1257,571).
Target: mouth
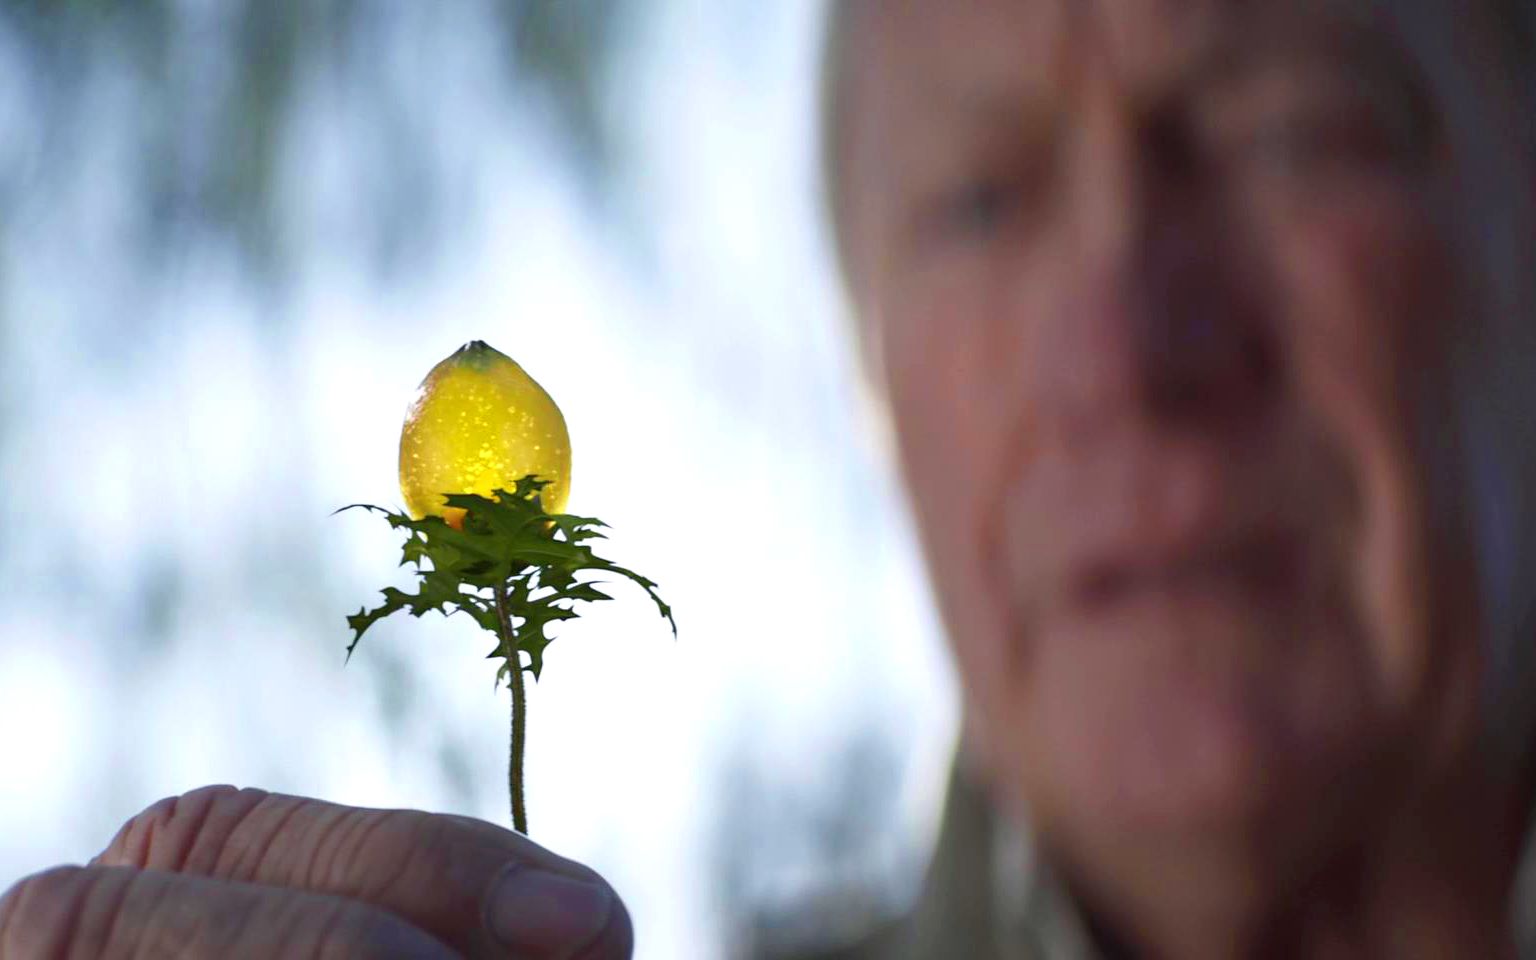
(1262,567)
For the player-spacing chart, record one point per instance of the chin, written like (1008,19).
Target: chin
(1230,737)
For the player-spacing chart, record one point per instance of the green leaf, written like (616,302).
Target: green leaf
(583,591)
(507,543)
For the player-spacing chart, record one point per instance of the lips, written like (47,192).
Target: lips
(1258,566)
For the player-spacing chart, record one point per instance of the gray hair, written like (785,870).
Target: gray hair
(844,18)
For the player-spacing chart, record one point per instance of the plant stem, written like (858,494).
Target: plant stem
(519,713)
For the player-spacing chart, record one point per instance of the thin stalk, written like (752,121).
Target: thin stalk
(519,713)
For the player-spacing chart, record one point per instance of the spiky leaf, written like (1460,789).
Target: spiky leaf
(541,560)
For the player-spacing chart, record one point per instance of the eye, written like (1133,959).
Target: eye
(1313,141)
(980,207)
(985,181)
(1318,131)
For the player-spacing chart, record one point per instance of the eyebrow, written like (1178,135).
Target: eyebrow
(1364,53)
(1358,43)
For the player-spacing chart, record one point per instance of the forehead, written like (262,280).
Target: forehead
(941,43)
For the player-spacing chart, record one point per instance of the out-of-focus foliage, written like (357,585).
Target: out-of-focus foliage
(214,89)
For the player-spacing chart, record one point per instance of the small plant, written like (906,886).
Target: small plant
(481,424)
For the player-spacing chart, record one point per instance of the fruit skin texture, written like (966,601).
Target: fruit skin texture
(479,422)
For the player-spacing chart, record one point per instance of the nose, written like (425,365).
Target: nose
(1161,318)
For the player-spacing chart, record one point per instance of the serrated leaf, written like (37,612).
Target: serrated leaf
(584,591)
(507,542)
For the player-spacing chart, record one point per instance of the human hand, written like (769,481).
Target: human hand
(221,872)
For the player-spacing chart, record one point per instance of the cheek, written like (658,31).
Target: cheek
(952,343)
(1366,293)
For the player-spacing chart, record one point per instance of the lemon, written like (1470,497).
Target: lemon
(479,422)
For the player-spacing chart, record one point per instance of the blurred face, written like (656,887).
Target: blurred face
(1162,293)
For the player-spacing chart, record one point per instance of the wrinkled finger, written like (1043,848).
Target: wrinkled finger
(484,891)
(119,912)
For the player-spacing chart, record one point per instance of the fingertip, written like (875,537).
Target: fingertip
(164,834)
(130,845)
(7,911)
(10,903)
(53,892)
(49,880)
(617,941)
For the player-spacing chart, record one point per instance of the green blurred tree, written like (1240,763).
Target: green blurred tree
(214,88)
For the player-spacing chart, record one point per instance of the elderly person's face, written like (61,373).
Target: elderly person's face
(1161,292)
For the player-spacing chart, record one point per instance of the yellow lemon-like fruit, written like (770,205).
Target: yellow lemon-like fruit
(479,422)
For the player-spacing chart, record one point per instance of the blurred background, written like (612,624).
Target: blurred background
(235,234)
